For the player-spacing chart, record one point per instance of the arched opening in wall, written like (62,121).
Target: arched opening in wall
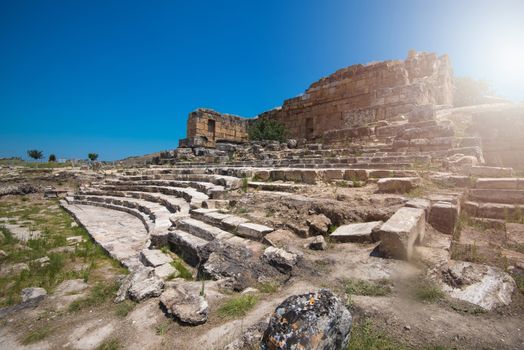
(309,128)
(211,128)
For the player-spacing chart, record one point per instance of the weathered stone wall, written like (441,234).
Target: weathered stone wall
(349,98)
(362,94)
(502,136)
(206,127)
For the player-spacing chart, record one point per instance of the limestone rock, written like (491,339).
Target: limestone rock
(398,184)
(166,271)
(358,233)
(292,143)
(154,257)
(398,235)
(486,286)
(184,306)
(148,288)
(34,294)
(312,321)
(140,274)
(318,224)
(443,216)
(253,231)
(280,259)
(316,243)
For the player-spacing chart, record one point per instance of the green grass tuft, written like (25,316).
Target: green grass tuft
(110,344)
(268,287)
(37,335)
(99,294)
(428,292)
(369,288)
(124,308)
(179,265)
(237,306)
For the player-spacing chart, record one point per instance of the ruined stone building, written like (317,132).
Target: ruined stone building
(352,96)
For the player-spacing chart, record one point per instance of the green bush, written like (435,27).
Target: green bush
(262,129)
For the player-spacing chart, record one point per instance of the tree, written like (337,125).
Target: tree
(52,158)
(469,92)
(264,129)
(35,154)
(92,156)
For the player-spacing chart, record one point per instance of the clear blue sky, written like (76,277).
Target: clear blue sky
(119,77)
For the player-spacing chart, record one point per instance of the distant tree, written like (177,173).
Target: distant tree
(469,91)
(35,154)
(52,158)
(92,156)
(264,129)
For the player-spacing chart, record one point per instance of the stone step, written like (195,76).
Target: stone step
(497,196)
(146,220)
(192,196)
(502,183)
(166,180)
(489,171)
(202,230)
(508,212)
(273,186)
(194,176)
(186,246)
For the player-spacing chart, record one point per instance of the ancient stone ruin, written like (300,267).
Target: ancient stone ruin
(381,188)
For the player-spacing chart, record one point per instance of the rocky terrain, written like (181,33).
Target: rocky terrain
(401,239)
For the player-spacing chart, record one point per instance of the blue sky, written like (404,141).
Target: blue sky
(119,77)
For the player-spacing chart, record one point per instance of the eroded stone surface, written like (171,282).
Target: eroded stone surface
(356,233)
(313,321)
(184,306)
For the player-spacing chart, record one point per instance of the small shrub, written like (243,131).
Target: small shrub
(237,306)
(263,129)
(110,344)
(163,328)
(52,158)
(428,292)
(185,273)
(245,184)
(124,308)
(268,287)
(362,287)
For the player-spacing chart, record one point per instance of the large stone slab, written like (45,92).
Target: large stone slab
(154,257)
(398,185)
(184,305)
(398,235)
(497,183)
(253,231)
(497,196)
(443,217)
(356,233)
(490,171)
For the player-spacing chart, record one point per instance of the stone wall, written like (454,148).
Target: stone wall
(206,127)
(349,98)
(362,94)
(502,136)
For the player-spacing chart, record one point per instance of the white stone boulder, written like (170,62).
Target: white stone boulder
(154,257)
(486,286)
(253,231)
(355,233)
(398,235)
(185,306)
(279,258)
(33,294)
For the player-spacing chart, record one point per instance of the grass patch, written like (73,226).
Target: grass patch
(364,336)
(179,265)
(368,288)
(331,229)
(428,292)
(99,294)
(245,184)
(37,335)
(163,328)
(237,306)
(268,287)
(519,280)
(124,308)
(54,223)
(110,344)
